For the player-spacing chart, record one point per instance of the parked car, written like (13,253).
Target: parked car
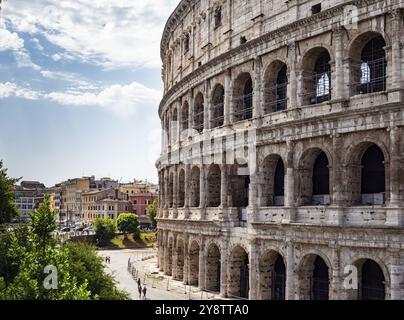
(79,229)
(65,229)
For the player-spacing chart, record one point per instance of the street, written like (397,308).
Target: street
(159,286)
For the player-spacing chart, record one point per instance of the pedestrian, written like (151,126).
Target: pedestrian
(139,288)
(138,282)
(106,259)
(144,292)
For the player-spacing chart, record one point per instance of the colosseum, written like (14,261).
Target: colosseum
(282,163)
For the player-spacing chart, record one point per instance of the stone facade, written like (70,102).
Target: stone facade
(282,167)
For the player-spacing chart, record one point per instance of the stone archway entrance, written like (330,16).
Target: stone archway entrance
(272,276)
(239,273)
(213,269)
(194,264)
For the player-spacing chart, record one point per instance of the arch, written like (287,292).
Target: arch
(314,177)
(171,190)
(239,273)
(239,184)
(275,87)
(195,187)
(372,280)
(316,76)
(217,112)
(273,188)
(185,116)
(180,252)
(314,278)
(214,186)
(368,63)
(367,174)
(194,263)
(213,268)
(199,112)
(272,276)
(243,97)
(181,188)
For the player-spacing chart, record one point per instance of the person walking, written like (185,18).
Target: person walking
(139,288)
(144,292)
(139,284)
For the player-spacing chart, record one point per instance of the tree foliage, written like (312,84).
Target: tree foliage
(8,209)
(152,213)
(24,272)
(128,223)
(104,230)
(86,265)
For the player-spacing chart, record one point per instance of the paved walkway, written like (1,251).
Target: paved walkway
(159,286)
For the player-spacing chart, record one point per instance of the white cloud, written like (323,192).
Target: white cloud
(10,41)
(79,83)
(9,89)
(113,34)
(120,99)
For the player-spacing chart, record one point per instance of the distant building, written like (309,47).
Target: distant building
(103,204)
(28,197)
(140,194)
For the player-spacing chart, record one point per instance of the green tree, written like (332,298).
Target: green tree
(128,223)
(104,230)
(42,250)
(152,213)
(88,266)
(8,209)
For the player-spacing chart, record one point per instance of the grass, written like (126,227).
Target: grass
(147,239)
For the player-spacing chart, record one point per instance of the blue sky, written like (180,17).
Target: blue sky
(80,83)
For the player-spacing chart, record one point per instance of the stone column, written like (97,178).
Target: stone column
(335,277)
(257,108)
(179,121)
(394,217)
(290,182)
(339,92)
(395,49)
(396,278)
(187,189)
(292,86)
(175,191)
(254,271)
(223,269)
(228,94)
(207,106)
(166,187)
(202,263)
(186,259)
(338,185)
(253,197)
(291,277)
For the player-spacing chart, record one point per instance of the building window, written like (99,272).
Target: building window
(186,43)
(218,17)
(316,9)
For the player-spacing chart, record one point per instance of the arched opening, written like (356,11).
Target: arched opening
(316,80)
(194,263)
(180,261)
(373,177)
(213,269)
(181,189)
(272,276)
(273,187)
(372,284)
(199,112)
(238,280)
(314,278)
(195,187)
(217,112)
(314,182)
(368,70)
(243,98)
(321,180)
(275,92)
(214,186)
(184,116)
(171,190)
(174,126)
